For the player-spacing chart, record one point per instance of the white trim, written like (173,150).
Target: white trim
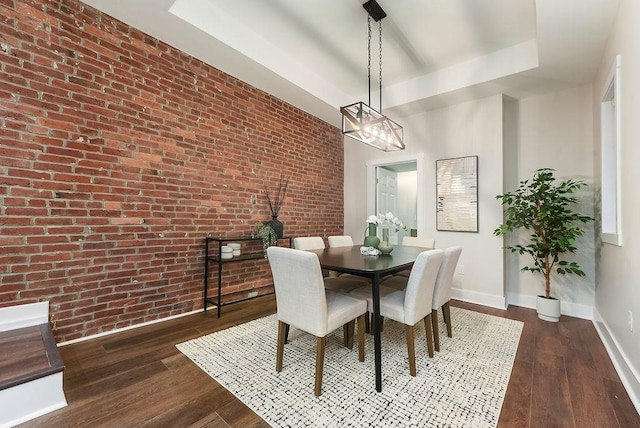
(613,90)
(29,400)
(628,375)
(570,309)
(418,158)
(131,327)
(19,316)
(611,238)
(483,299)
(576,310)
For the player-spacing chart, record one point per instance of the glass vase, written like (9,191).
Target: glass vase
(385,246)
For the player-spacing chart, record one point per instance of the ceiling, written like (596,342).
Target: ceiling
(313,53)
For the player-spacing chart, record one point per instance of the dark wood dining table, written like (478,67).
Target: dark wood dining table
(350,260)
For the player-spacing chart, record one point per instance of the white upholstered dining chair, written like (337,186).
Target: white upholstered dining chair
(442,292)
(302,302)
(340,241)
(419,241)
(308,243)
(346,241)
(415,241)
(412,302)
(342,284)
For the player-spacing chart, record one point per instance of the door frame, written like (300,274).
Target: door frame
(372,164)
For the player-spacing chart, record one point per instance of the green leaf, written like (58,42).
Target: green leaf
(545,208)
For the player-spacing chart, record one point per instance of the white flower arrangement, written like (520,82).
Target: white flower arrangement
(387,219)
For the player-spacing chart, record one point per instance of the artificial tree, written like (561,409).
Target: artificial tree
(544,208)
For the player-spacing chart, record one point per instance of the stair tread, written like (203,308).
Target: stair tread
(27,354)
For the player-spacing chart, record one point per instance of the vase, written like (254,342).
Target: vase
(372,240)
(385,245)
(548,308)
(277,226)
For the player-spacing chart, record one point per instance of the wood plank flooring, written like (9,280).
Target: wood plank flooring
(562,377)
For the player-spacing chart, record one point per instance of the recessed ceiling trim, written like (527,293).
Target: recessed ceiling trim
(502,63)
(249,43)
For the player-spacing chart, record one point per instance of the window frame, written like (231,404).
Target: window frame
(610,157)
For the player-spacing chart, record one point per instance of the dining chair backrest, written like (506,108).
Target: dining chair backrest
(340,241)
(419,292)
(299,287)
(418,241)
(442,291)
(308,243)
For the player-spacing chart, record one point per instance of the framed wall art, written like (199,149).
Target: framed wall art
(457,194)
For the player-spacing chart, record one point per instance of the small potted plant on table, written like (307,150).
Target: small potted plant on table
(266,233)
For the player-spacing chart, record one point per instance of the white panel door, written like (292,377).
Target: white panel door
(387,198)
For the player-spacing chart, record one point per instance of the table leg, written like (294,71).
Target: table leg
(375,283)
(219,284)
(206,274)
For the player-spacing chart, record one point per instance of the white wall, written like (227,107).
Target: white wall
(356,155)
(471,128)
(618,277)
(556,131)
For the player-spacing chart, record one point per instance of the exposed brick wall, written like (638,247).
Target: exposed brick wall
(119,154)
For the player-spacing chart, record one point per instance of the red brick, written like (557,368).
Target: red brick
(111,183)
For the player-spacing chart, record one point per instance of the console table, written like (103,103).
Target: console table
(211,256)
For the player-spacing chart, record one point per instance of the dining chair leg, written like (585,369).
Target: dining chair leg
(320,345)
(436,331)
(345,335)
(349,333)
(427,331)
(282,333)
(286,334)
(361,328)
(367,321)
(411,349)
(447,319)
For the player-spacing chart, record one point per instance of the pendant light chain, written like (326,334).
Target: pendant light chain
(380,65)
(362,121)
(369,57)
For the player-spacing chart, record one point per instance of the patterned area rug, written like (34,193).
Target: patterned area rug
(462,386)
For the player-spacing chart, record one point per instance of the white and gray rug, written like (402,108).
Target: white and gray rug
(462,386)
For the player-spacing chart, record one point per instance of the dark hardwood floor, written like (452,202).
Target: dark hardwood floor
(562,377)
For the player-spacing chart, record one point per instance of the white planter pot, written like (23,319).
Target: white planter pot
(548,309)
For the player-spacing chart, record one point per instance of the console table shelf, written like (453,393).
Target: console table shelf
(212,254)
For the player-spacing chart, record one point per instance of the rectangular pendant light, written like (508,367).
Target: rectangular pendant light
(359,120)
(367,125)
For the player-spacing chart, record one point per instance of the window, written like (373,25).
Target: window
(610,157)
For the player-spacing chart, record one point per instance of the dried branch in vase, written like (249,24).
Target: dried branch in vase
(277,200)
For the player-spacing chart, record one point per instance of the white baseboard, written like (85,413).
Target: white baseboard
(483,299)
(29,400)
(629,377)
(570,309)
(131,327)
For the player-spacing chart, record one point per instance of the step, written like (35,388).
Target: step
(27,354)
(31,369)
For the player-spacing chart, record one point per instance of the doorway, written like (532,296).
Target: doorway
(396,185)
